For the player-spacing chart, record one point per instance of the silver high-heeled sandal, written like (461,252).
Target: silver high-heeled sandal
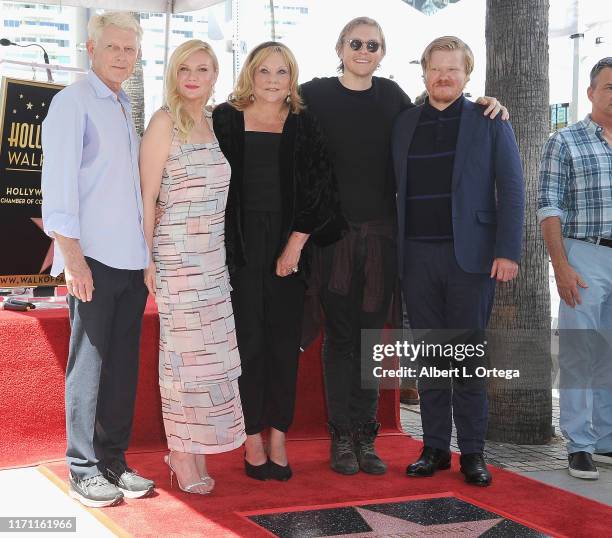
(206,481)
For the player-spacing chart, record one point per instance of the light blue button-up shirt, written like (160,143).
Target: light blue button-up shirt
(90,178)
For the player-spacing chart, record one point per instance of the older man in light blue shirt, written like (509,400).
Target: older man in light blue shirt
(90,175)
(92,207)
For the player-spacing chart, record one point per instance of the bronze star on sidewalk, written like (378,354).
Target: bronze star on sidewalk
(392,527)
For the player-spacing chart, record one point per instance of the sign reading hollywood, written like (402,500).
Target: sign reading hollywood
(25,251)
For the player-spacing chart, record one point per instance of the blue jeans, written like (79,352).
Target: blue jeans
(585,352)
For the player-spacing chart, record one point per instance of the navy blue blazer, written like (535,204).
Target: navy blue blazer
(488,190)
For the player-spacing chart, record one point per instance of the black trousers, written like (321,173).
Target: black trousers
(348,403)
(440,295)
(268,310)
(102,369)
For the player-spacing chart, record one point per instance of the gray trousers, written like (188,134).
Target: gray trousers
(102,369)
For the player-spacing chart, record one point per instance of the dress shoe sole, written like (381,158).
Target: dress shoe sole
(481,483)
(584,475)
(441,467)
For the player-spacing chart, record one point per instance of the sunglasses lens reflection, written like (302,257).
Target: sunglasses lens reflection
(371,46)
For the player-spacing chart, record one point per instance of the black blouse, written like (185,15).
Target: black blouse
(262,183)
(309,199)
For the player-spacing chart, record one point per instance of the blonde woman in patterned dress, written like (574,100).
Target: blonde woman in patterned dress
(183,170)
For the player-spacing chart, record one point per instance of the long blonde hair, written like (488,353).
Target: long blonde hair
(182,120)
(240,98)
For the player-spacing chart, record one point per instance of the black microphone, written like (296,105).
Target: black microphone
(7,42)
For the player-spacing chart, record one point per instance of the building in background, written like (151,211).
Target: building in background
(310,28)
(62,31)
(53,27)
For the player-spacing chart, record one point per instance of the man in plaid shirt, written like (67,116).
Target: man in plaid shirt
(575,213)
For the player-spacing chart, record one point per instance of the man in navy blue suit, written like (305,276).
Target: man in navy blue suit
(460,226)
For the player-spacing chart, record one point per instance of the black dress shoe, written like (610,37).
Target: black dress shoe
(474,467)
(581,466)
(430,461)
(258,472)
(279,472)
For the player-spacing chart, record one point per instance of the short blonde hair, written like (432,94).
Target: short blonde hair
(182,120)
(349,27)
(240,98)
(449,42)
(120,19)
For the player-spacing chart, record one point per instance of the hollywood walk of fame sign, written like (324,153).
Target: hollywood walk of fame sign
(25,250)
(432,517)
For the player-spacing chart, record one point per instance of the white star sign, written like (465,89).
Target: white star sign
(29,106)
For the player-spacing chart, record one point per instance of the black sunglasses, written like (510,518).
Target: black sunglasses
(356,44)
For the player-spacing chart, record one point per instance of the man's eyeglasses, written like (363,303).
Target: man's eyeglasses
(356,44)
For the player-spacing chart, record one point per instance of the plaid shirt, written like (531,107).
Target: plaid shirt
(576,181)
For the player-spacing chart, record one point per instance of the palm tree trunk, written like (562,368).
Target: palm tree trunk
(517,74)
(272,22)
(134,88)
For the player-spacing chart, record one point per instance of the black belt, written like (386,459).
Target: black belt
(597,241)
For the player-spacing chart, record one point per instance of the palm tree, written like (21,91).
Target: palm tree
(134,88)
(517,73)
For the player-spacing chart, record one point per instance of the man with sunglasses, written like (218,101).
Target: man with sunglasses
(575,213)
(358,274)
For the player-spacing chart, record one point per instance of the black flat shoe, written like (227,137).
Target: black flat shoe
(430,461)
(279,472)
(258,472)
(474,467)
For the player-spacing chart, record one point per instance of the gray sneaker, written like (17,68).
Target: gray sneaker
(131,484)
(95,492)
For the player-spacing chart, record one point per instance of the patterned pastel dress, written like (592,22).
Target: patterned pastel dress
(199,364)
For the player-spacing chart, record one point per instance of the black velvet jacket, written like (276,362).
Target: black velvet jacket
(308,191)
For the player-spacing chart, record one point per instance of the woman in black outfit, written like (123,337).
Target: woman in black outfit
(281,192)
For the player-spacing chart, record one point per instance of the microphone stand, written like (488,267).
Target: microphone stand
(7,42)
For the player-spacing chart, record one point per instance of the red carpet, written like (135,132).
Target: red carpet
(173,513)
(33,354)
